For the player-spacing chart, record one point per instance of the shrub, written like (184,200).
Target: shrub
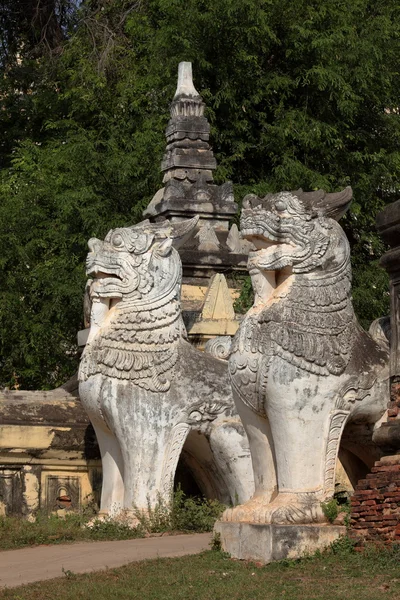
(182,514)
(330,509)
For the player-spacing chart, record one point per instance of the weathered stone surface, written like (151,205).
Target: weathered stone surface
(301,367)
(189,162)
(375,505)
(388,224)
(217,316)
(49,458)
(220,347)
(145,388)
(387,436)
(267,543)
(189,190)
(375,514)
(218,302)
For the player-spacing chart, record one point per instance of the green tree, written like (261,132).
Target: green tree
(299,94)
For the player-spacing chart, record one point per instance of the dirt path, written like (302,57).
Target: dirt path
(19,567)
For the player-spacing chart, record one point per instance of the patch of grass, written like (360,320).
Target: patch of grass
(342,546)
(113,529)
(338,573)
(17,533)
(183,514)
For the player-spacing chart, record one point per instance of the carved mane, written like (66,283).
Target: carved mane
(313,326)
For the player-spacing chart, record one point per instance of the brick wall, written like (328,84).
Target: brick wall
(375,505)
(394,404)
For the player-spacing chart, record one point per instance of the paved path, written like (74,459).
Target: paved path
(19,567)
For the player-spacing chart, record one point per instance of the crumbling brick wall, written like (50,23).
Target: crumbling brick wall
(375,505)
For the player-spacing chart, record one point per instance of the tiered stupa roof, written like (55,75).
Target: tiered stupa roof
(188,165)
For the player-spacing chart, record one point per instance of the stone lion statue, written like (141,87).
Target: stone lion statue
(301,367)
(144,387)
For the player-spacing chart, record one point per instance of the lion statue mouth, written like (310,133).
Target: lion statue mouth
(100,272)
(273,230)
(293,233)
(97,271)
(105,283)
(123,267)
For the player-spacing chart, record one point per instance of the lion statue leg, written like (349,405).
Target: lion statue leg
(306,440)
(151,435)
(229,448)
(263,460)
(306,433)
(112,494)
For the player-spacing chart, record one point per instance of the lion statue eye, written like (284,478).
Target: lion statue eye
(117,240)
(280,205)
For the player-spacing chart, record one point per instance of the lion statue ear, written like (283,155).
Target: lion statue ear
(174,235)
(320,203)
(164,247)
(179,232)
(182,231)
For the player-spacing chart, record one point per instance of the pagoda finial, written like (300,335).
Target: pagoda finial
(185,85)
(188,164)
(187,101)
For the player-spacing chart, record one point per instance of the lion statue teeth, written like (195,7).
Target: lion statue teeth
(144,387)
(301,367)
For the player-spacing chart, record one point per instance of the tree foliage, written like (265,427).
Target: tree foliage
(299,94)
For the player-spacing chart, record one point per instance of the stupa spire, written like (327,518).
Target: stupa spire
(188,156)
(188,163)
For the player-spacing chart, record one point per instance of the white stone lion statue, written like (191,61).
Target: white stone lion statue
(144,387)
(301,366)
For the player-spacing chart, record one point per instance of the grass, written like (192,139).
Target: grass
(340,573)
(17,533)
(184,515)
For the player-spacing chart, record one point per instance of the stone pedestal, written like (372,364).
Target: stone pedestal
(267,543)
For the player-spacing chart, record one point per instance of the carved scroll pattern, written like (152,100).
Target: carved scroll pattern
(219,347)
(172,454)
(336,426)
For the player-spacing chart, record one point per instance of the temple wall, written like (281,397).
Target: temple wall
(49,460)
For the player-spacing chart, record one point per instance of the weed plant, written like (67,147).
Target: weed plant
(183,514)
(332,508)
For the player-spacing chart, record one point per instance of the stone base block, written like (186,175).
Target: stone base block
(266,543)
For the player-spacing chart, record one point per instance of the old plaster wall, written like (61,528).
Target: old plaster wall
(49,460)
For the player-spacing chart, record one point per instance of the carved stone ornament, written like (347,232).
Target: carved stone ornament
(301,366)
(220,347)
(142,384)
